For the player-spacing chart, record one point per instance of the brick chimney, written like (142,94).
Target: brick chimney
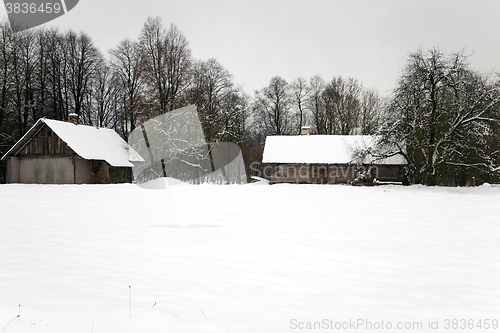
(306,130)
(73,118)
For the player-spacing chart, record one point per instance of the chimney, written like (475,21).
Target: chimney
(73,118)
(306,130)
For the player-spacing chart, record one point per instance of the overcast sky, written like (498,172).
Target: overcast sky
(256,40)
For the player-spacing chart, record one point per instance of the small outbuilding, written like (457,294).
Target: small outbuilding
(326,159)
(57,152)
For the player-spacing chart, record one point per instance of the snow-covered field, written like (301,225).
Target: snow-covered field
(249,258)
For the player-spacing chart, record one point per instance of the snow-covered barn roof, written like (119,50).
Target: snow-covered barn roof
(328,149)
(88,142)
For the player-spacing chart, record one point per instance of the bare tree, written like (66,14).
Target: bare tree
(24,61)
(167,62)
(57,85)
(370,113)
(300,92)
(126,63)
(105,95)
(273,107)
(315,104)
(84,60)
(5,70)
(220,105)
(342,106)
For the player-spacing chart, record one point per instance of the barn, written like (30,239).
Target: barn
(326,159)
(57,152)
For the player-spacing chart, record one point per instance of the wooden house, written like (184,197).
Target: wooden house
(56,152)
(325,159)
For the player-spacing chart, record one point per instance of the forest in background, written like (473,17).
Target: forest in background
(443,117)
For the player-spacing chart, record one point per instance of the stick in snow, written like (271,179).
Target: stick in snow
(203,313)
(130,301)
(10,322)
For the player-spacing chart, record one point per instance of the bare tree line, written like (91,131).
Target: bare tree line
(341,106)
(443,117)
(48,73)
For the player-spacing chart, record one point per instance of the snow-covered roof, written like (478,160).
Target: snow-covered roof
(331,149)
(89,142)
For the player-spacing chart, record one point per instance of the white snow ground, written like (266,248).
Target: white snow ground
(246,258)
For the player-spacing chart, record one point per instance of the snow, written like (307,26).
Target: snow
(245,258)
(93,143)
(335,149)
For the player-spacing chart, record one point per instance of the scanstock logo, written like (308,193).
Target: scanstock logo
(26,14)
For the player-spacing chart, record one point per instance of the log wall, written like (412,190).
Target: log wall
(330,173)
(46,159)
(46,142)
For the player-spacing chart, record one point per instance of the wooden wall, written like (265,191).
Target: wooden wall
(46,170)
(330,173)
(46,159)
(46,142)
